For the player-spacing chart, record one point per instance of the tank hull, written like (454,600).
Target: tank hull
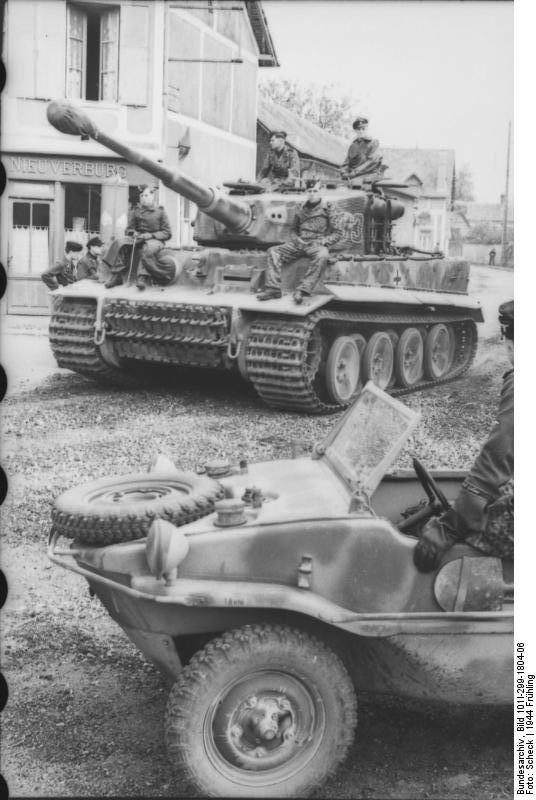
(210,317)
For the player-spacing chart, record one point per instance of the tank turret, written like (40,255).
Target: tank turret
(376,311)
(259,220)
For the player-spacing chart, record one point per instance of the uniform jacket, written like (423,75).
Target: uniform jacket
(149,220)
(88,267)
(494,464)
(493,467)
(282,164)
(315,223)
(360,150)
(62,273)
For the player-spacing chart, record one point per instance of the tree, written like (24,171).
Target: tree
(464,184)
(324,105)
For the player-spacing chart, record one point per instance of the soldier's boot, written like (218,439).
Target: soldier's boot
(143,281)
(299,296)
(116,279)
(269,294)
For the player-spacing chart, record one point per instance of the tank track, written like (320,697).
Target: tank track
(282,356)
(71,336)
(185,335)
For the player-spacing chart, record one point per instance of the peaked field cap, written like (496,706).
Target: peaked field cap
(75,247)
(95,241)
(279,134)
(506,319)
(359,122)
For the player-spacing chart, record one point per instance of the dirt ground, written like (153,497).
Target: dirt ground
(85,711)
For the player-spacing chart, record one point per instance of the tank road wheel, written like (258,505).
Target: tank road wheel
(262,711)
(409,358)
(360,341)
(438,351)
(378,359)
(122,508)
(342,370)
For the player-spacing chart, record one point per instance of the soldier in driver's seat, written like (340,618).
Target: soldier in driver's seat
(483,513)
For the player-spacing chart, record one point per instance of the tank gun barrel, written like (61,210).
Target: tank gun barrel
(235,215)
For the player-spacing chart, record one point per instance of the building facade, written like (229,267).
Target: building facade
(177,81)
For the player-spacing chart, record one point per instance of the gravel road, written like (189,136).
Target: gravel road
(85,711)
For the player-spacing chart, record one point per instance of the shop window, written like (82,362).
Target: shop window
(82,211)
(92,51)
(188,215)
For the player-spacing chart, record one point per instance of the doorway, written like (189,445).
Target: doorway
(29,254)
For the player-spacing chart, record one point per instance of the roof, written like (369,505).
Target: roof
(487,212)
(434,169)
(308,139)
(259,24)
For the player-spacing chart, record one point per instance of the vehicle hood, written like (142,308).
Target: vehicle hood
(292,489)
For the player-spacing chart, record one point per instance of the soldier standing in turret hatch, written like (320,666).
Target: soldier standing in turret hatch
(147,229)
(361,158)
(282,165)
(313,231)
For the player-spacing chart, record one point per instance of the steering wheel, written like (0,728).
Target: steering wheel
(436,500)
(433,492)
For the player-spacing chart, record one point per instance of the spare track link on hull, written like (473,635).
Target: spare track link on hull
(71,335)
(282,355)
(168,333)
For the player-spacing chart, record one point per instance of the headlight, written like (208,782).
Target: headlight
(166,548)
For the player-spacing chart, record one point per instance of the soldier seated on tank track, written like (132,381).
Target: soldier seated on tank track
(147,229)
(483,513)
(281,168)
(313,231)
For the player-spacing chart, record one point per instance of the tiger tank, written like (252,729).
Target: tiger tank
(394,315)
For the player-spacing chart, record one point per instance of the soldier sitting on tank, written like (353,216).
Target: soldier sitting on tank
(88,266)
(313,231)
(63,272)
(147,229)
(483,513)
(281,168)
(361,158)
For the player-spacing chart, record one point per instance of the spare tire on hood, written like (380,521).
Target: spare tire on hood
(122,508)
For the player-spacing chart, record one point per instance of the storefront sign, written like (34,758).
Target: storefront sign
(48,168)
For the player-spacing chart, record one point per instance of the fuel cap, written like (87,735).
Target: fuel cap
(230,512)
(218,469)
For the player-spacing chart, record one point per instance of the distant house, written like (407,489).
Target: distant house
(321,153)
(429,176)
(485,231)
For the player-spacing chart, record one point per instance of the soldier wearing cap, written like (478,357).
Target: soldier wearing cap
(483,513)
(147,229)
(63,272)
(361,158)
(88,266)
(313,231)
(282,164)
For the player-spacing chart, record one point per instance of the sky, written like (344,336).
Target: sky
(426,73)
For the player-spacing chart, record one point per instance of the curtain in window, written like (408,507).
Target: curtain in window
(76,51)
(109,54)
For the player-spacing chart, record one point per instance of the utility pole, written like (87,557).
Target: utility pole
(505,219)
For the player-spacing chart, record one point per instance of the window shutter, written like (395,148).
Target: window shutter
(76,52)
(109,55)
(134,48)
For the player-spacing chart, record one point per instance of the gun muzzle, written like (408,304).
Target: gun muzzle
(66,118)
